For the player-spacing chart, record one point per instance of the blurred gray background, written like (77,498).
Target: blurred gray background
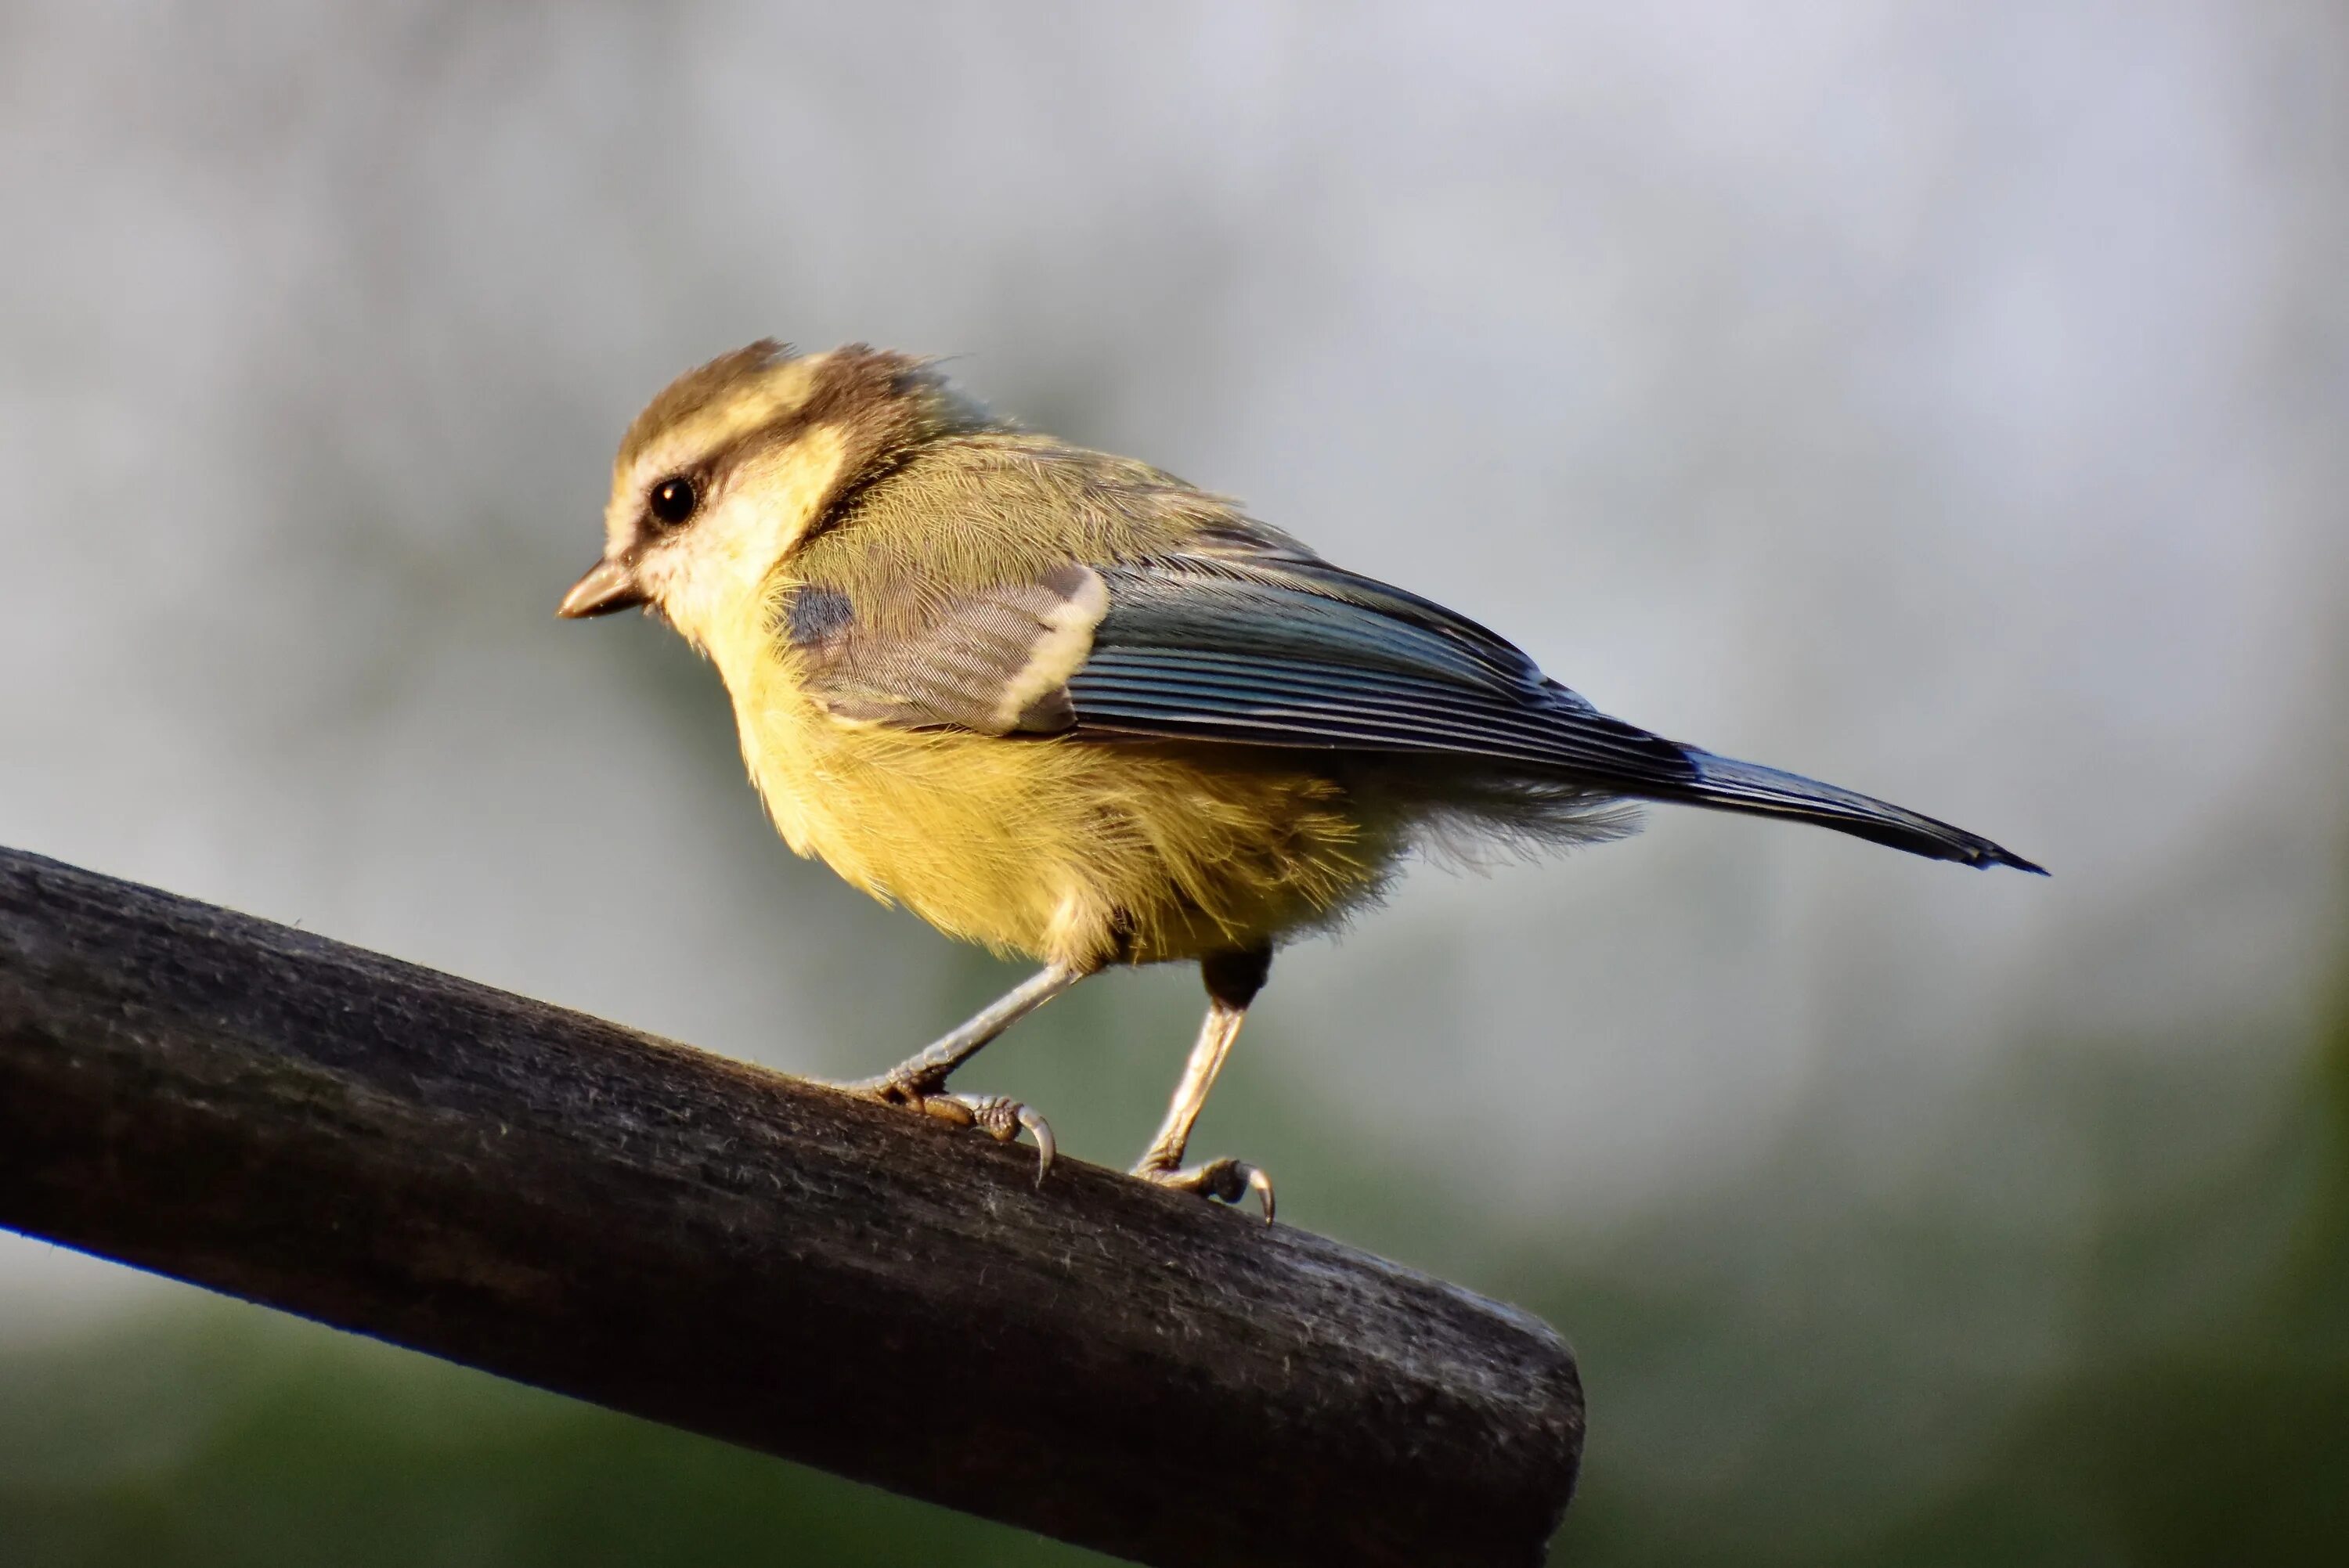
(1950,401)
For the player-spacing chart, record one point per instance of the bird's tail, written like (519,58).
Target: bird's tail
(1726,784)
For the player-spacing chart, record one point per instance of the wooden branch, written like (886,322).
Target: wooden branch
(561,1201)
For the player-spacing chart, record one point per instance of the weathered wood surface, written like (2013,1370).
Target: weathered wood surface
(564,1201)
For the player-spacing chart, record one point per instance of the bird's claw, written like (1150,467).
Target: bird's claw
(1229,1179)
(998,1116)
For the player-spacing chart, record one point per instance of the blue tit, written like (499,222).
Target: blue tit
(1066,705)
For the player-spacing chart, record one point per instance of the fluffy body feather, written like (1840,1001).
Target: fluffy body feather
(1064,704)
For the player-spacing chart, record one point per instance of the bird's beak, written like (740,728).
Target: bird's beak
(609,585)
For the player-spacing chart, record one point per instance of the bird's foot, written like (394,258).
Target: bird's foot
(998,1116)
(1228,1179)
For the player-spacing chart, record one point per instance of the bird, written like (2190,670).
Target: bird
(1067,705)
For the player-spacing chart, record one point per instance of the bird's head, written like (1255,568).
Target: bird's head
(735,463)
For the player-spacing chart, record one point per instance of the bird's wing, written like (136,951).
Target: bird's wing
(1238,643)
(1253,641)
(1298,653)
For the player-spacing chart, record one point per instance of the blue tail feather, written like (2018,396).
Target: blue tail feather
(1728,785)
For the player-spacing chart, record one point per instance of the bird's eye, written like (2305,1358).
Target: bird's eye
(673,499)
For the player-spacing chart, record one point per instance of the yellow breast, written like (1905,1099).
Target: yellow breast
(1076,851)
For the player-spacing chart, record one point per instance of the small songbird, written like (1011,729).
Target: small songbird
(1066,705)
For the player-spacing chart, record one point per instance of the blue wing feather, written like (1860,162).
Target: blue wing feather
(1285,650)
(1303,654)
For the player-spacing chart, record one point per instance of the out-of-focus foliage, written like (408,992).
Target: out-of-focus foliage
(1945,400)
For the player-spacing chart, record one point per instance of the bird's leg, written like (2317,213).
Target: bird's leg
(925,1072)
(918,1083)
(1233,980)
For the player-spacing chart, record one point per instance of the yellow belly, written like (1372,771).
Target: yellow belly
(1080,852)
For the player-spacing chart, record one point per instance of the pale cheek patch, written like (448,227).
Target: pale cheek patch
(1068,637)
(771,499)
(711,582)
